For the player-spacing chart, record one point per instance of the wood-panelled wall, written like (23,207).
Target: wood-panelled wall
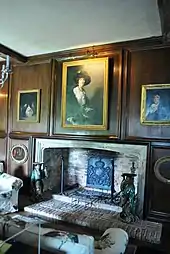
(131,65)
(145,67)
(37,76)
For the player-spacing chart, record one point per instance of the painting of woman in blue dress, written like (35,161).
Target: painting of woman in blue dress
(155,104)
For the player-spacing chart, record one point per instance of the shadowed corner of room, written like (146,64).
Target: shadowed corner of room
(25,189)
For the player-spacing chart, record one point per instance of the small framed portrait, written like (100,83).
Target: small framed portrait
(155,104)
(19,154)
(85,94)
(28,106)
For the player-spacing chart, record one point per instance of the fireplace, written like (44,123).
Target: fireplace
(91,174)
(93,167)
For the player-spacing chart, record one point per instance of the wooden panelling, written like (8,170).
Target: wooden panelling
(145,67)
(159,205)
(3,143)
(100,49)
(3,108)
(14,168)
(164,12)
(30,77)
(13,54)
(114,98)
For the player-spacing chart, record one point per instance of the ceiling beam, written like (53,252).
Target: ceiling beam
(13,54)
(164,13)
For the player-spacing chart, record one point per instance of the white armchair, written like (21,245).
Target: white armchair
(9,189)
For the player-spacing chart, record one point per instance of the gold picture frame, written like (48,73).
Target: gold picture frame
(28,106)
(163,161)
(19,153)
(85,94)
(155,104)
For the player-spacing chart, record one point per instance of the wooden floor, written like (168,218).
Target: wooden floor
(162,248)
(145,250)
(165,240)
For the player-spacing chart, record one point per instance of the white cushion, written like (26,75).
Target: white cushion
(113,241)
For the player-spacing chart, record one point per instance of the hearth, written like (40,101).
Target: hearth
(95,218)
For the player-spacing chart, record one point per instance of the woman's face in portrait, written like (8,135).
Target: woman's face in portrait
(81,82)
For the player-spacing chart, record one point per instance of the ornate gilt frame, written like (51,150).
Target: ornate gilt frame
(37,119)
(66,66)
(146,88)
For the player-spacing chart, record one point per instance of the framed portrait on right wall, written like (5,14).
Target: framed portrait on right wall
(155,104)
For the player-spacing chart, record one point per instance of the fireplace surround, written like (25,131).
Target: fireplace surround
(76,154)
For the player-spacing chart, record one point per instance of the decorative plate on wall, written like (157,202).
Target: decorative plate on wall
(19,153)
(161,169)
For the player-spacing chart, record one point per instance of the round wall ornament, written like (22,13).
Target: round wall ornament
(162,169)
(19,153)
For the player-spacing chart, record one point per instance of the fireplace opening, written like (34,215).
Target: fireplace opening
(91,172)
(84,175)
(84,167)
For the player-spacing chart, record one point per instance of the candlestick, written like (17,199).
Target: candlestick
(7,62)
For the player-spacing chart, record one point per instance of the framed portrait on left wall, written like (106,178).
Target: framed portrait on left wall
(28,106)
(84,102)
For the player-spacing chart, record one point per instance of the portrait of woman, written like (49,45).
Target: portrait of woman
(84,90)
(83,111)
(28,106)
